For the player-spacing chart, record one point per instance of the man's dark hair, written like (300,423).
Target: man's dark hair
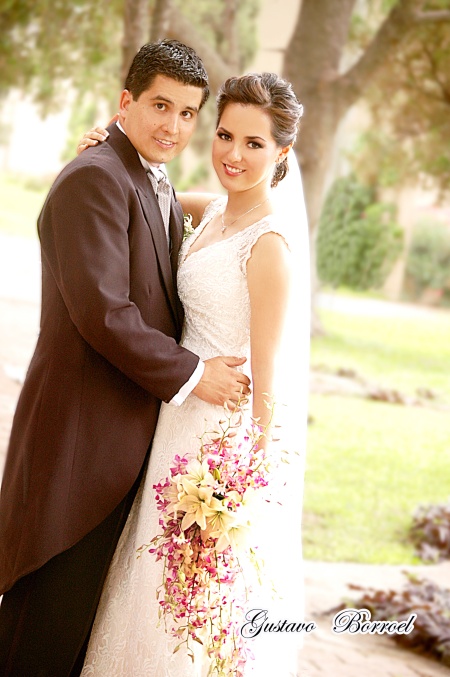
(170,58)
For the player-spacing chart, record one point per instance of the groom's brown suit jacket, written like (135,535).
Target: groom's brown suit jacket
(106,356)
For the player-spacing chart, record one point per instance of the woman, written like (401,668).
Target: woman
(236,279)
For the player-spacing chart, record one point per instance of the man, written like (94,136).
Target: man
(106,356)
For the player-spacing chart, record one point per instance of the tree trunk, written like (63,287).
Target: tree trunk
(182,29)
(167,22)
(312,63)
(231,36)
(136,20)
(160,20)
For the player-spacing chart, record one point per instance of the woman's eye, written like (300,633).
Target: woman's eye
(254,144)
(223,136)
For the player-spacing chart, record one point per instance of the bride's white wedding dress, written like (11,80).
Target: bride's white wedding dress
(126,641)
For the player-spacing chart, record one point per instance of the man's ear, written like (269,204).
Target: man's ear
(125,100)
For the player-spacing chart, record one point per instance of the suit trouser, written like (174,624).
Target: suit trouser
(47,616)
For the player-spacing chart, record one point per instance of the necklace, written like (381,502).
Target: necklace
(224,227)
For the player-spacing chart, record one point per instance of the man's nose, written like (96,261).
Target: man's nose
(171,124)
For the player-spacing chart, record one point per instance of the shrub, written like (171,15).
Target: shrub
(428,260)
(358,240)
(431,532)
(431,603)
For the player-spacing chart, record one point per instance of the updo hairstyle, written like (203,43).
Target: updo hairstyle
(275,96)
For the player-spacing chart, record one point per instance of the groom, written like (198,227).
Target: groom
(106,356)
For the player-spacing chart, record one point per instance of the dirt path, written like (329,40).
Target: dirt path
(375,307)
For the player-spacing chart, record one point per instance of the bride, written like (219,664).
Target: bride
(243,281)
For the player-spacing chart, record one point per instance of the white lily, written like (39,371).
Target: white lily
(239,537)
(219,524)
(195,503)
(199,473)
(234,496)
(250,504)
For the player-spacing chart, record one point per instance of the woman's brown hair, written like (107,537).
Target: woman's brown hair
(276,97)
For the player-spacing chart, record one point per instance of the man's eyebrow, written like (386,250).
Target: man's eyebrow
(159,97)
(166,100)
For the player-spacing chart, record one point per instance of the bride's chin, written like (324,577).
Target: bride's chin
(229,186)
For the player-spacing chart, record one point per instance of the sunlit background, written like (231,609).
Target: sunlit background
(374,148)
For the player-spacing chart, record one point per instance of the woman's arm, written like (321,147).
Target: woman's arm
(269,279)
(195,204)
(94,135)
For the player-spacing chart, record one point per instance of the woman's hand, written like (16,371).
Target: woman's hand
(94,136)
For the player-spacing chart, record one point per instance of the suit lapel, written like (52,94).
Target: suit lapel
(176,238)
(175,232)
(153,217)
(129,157)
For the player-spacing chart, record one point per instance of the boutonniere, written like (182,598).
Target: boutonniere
(188,228)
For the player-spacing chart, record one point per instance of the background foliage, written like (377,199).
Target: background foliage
(358,239)
(409,102)
(428,260)
(47,44)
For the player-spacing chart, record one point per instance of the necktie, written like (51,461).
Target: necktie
(163,191)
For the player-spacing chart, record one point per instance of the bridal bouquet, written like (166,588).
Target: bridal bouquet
(206,510)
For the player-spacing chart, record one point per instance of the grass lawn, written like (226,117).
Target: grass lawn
(19,207)
(370,464)
(402,353)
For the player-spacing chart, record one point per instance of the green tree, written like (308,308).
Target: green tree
(358,240)
(409,138)
(336,56)
(49,43)
(392,52)
(428,260)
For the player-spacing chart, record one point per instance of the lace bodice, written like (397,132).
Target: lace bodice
(213,288)
(126,641)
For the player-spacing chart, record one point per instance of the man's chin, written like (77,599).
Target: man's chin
(165,154)
(160,158)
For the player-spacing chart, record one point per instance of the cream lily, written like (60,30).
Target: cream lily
(199,473)
(195,503)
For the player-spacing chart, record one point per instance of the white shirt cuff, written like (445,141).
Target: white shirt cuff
(189,386)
